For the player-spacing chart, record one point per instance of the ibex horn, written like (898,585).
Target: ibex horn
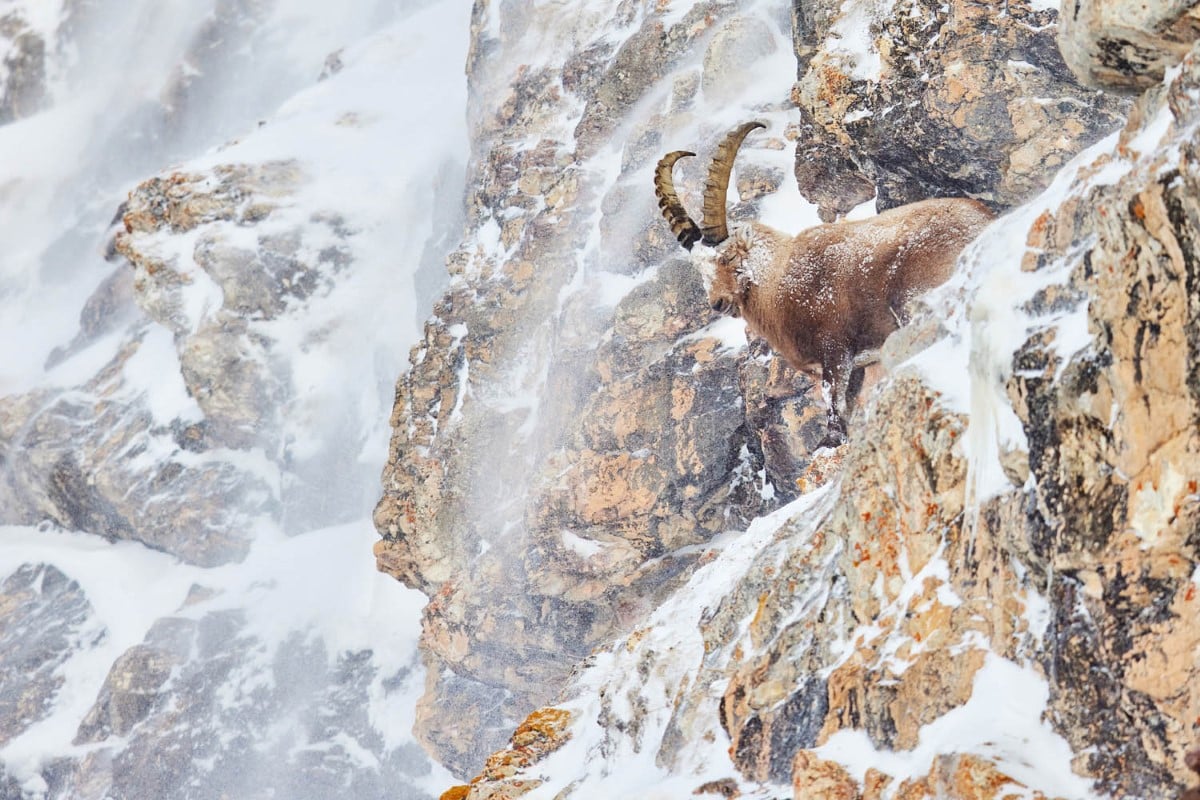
(684,227)
(713,225)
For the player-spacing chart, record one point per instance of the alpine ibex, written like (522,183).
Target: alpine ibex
(831,293)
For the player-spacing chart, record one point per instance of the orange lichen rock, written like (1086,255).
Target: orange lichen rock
(825,465)
(542,732)
(813,777)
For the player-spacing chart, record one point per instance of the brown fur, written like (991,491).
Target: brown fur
(835,291)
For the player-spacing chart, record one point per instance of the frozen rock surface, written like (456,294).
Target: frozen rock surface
(193,407)
(1126,46)
(984,594)
(920,98)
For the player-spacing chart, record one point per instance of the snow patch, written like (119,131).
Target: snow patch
(1001,723)
(1153,506)
(730,333)
(154,371)
(852,38)
(584,548)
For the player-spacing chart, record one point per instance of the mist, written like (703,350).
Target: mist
(236,570)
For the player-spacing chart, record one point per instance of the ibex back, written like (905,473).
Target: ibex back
(832,292)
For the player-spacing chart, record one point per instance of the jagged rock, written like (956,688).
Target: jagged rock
(629,457)
(1115,451)
(880,609)
(774,704)
(1119,560)
(226,364)
(964,777)
(542,732)
(44,618)
(23,68)
(132,688)
(1126,46)
(171,419)
(725,787)
(813,777)
(937,99)
(74,459)
(189,664)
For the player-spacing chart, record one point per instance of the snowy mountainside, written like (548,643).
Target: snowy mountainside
(545,484)
(191,437)
(578,438)
(649,713)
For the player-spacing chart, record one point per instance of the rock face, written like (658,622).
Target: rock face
(560,443)
(314,756)
(201,420)
(1126,46)
(1117,520)
(922,98)
(45,617)
(1015,515)
(23,69)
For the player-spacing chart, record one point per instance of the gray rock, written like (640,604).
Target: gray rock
(44,619)
(1126,46)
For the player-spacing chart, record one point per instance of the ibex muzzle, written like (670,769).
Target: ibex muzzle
(832,292)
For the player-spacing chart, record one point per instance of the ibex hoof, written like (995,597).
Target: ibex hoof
(835,434)
(833,440)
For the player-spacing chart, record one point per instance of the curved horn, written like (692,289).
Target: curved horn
(684,227)
(712,225)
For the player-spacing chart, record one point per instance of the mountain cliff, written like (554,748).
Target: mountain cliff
(231,226)
(188,602)
(611,497)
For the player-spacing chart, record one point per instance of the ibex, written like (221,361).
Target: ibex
(832,293)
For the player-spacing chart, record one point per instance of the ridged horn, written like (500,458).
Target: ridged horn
(684,227)
(712,226)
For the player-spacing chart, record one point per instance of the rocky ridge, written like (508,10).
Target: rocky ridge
(1036,530)
(543,523)
(216,645)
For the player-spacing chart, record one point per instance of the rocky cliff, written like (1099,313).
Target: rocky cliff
(608,493)
(638,577)
(188,602)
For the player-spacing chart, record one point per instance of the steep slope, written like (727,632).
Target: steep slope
(195,416)
(578,431)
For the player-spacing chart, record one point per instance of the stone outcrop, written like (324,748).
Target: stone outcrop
(932,98)
(44,618)
(543,732)
(205,404)
(561,449)
(23,68)
(189,664)
(559,446)
(902,597)
(194,503)
(1126,46)
(1107,531)
(1113,446)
